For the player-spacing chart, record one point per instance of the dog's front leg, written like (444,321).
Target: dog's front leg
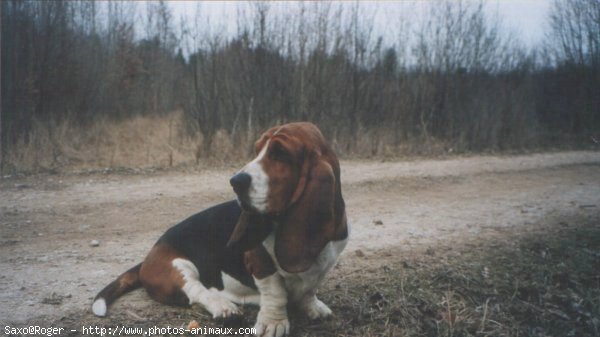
(272,320)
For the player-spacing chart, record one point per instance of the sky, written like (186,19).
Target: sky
(525,18)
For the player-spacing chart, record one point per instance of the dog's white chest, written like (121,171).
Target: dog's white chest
(300,284)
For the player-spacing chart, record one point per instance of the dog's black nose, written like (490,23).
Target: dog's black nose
(240,182)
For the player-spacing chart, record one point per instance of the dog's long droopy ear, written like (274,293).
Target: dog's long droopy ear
(304,176)
(310,222)
(250,230)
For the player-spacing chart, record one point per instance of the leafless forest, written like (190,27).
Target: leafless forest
(454,80)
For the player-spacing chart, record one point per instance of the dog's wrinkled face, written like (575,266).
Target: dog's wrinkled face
(267,184)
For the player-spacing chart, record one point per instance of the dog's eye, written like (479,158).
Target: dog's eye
(278,153)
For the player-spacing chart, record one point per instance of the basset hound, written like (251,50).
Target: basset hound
(271,247)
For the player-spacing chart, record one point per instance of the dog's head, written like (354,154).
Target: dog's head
(295,181)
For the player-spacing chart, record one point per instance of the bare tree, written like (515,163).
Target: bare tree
(575,31)
(574,40)
(456,78)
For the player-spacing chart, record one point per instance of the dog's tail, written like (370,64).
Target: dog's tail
(125,283)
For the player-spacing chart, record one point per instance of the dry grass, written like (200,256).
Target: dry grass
(542,283)
(545,283)
(136,142)
(143,142)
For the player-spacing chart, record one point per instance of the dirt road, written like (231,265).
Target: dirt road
(49,270)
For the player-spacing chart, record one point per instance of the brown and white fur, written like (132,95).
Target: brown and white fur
(271,247)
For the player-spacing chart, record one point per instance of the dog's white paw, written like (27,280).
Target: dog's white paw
(221,307)
(272,328)
(314,308)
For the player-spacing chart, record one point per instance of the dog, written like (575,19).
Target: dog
(271,247)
